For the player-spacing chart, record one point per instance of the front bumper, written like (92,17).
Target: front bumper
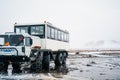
(13,58)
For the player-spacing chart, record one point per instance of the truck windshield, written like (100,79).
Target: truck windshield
(16,40)
(12,40)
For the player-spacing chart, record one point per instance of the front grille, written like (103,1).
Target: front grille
(8,51)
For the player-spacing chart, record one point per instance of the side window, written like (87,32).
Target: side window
(48,32)
(28,41)
(58,35)
(21,29)
(33,29)
(24,30)
(18,30)
(37,30)
(67,37)
(52,33)
(62,36)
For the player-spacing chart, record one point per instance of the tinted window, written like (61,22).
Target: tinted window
(28,41)
(37,30)
(21,29)
(56,34)
(52,33)
(48,32)
(62,36)
(67,37)
(16,40)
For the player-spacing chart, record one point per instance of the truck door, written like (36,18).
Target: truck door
(28,43)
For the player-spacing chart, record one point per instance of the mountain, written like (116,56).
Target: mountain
(103,44)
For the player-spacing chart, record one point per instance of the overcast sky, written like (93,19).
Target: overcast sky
(86,20)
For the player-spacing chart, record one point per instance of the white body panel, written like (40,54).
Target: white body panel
(36,41)
(54,44)
(43,44)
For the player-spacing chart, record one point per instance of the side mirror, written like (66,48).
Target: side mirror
(28,41)
(23,49)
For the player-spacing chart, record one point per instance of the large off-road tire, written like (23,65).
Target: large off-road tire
(16,68)
(36,66)
(65,54)
(59,61)
(39,61)
(46,61)
(59,58)
(1,67)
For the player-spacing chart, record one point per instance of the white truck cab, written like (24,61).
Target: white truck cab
(17,45)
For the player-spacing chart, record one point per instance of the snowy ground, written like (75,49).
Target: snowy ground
(81,67)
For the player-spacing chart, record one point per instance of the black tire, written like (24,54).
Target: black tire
(33,67)
(46,61)
(16,68)
(60,69)
(1,67)
(36,66)
(39,61)
(60,61)
(64,60)
(59,58)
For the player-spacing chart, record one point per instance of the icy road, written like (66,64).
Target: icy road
(100,67)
